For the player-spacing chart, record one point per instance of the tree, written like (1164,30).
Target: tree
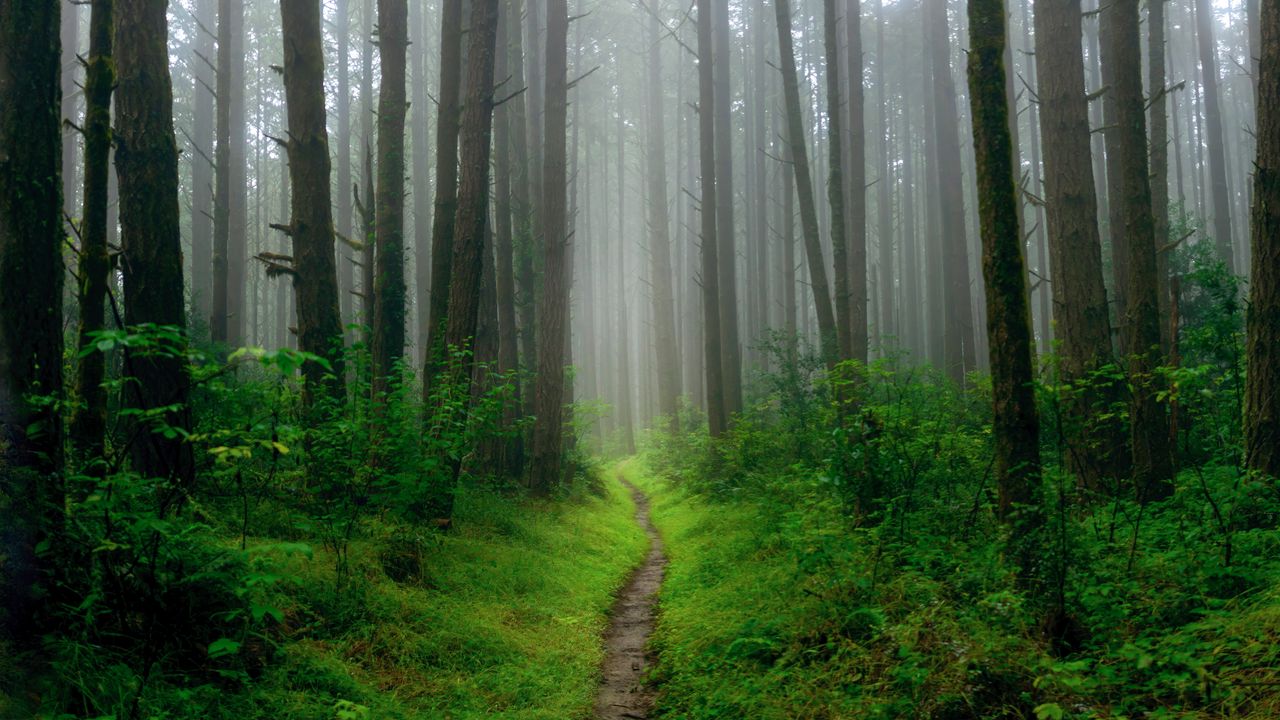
(389,283)
(712,335)
(202,173)
(844,263)
(156,383)
(1261,416)
(470,225)
(89,422)
(546,460)
(229,167)
(315,276)
(1149,426)
(1159,155)
(664,316)
(1080,309)
(31,234)
(1219,190)
(1015,421)
(726,237)
(958,341)
(446,202)
(799,157)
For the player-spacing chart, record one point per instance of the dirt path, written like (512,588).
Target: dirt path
(622,695)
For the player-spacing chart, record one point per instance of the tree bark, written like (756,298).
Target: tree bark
(1015,421)
(31,277)
(147,167)
(1149,434)
(202,173)
(845,268)
(712,334)
(804,187)
(726,236)
(446,201)
(315,277)
(1159,156)
(89,421)
(1261,416)
(546,467)
(389,282)
(421,188)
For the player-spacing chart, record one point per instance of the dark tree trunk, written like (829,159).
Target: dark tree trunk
(315,276)
(421,187)
(546,466)
(804,186)
(446,202)
(958,343)
(1159,156)
(147,166)
(229,166)
(469,246)
(89,422)
(844,265)
(1261,416)
(31,276)
(1152,462)
(1094,450)
(344,228)
(887,329)
(664,316)
(389,283)
(202,175)
(1016,424)
(712,335)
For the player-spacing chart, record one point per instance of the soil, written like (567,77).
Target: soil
(623,693)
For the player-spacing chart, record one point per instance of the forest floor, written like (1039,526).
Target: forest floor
(624,695)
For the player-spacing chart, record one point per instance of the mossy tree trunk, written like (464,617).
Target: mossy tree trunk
(389,282)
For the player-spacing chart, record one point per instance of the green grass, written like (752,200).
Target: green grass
(504,620)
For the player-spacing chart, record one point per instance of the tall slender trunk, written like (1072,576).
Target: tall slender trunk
(202,173)
(1159,131)
(712,334)
(1261,414)
(1220,191)
(958,341)
(315,276)
(446,201)
(421,188)
(546,468)
(89,421)
(664,316)
(147,167)
(625,410)
(726,236)
(512,453)
(844,267)
(1015,421)
(886,328)
(804,186)
(344,228)
(1149,426)
(389,283)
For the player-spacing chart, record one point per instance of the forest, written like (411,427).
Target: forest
(627,359)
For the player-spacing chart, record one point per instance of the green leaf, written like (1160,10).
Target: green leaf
(1050,711)
(223,647)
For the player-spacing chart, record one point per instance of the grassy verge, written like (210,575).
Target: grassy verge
(501,618)
(773,608)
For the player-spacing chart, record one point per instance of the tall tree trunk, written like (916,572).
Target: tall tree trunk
(31,276)
(421,188)
(1016,423)
(1152,462)
(446,201)
(229,167)
(804,186)
(147,166)
(726,236)
(664,316)
(1159,156)
(315,276)
(512,453)
(1079,297)
(1213,126)
(89,421)
(546,467)
(70,49)
(844,266)
(523,245)
(344,228)
(1261,415)
(625,410)
(958,342)
(389,283)
(887,328)
(712,334)
(202,173)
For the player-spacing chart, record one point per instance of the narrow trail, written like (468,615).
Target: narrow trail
(622,694)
